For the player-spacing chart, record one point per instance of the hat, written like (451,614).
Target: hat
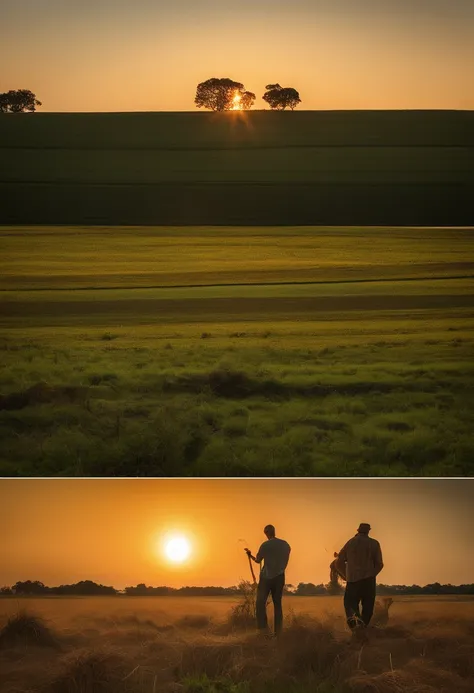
(364,527)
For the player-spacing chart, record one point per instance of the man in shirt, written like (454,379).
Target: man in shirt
(275,554)
(360,561)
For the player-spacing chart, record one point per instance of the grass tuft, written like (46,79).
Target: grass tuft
(94,671)
(243,614)
(27,629)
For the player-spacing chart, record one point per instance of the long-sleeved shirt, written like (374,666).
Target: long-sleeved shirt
(360,558)
(275,554)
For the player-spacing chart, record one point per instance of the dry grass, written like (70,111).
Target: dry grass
(242,615)
(198,621)
(24,629)
(189,645)
(86,671)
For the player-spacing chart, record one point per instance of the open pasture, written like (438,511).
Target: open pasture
(219,351)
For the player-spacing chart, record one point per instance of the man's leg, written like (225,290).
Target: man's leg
(277,585)
(351,604)
(368,599)
(263,590)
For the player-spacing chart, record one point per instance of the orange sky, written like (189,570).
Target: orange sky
(124,55)
(63,531)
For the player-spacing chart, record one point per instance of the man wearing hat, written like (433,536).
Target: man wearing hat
(359,562)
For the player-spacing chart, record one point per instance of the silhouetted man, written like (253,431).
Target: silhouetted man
(275,554)
(359,562)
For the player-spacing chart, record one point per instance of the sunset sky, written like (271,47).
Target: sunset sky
(127,55)
(112,531)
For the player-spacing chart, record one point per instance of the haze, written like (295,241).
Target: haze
(149,55)
(62,531)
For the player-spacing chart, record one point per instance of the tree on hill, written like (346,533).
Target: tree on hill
(223,95)
(279,97)
(18,101)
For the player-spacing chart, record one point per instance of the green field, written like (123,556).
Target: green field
(308,167)
(228,351)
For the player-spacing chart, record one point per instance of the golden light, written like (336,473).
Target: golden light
(236,101)
(177,549)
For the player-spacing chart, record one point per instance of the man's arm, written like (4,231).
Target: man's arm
(257,559)
(288,549)
(340,561)
(378,561)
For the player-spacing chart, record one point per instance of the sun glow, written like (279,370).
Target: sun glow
(237,103)
(177,549)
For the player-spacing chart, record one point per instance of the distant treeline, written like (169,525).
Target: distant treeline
(35,587)
(303,589)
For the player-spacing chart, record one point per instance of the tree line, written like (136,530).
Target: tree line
(303,589)
(223,94)
(308,589)
(216,94)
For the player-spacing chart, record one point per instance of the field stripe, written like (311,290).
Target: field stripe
(227,308)
(170,287)
(236,147)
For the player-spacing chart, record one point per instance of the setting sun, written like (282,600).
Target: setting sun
(236,101)
(177,549)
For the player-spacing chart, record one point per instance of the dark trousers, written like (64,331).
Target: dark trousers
(273,586)
(359,593)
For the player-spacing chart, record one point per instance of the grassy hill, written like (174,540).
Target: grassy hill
(341,167)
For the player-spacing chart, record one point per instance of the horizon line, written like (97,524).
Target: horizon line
(264,110)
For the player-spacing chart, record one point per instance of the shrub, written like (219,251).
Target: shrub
(243,614)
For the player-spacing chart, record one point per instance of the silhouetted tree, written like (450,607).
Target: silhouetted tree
(247,100)
(84,588)
(140,590)
(223,95)
(309,589)
(6,590)
(30,587)
(279,97)
(18,101)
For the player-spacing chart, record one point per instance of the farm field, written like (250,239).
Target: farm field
(194,645)
(253,130)
(258,167)
(226,351)
(319,164)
